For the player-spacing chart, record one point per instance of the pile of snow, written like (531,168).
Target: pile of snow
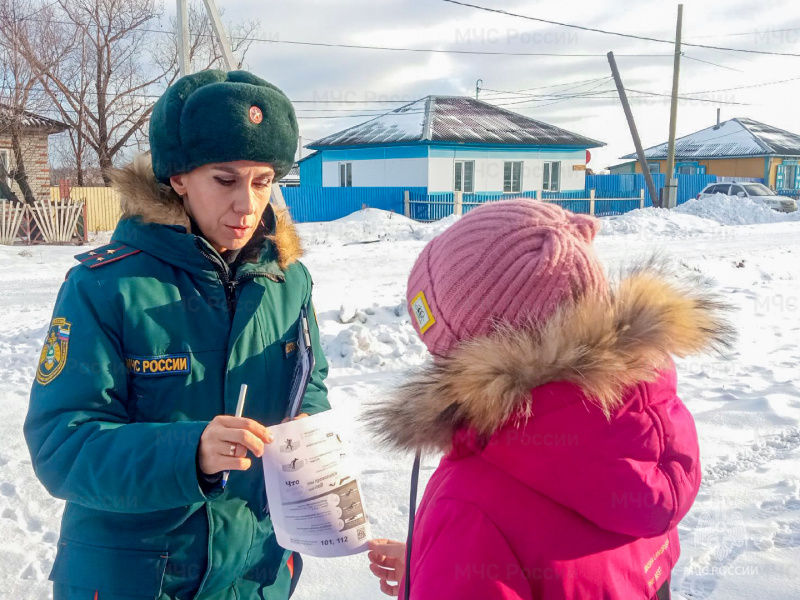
(695,217)
(656,221)
(370,225)
(375,336)
(732,210)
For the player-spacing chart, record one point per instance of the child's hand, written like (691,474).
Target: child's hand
(388,563)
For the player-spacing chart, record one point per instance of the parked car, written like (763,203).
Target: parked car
(757,192)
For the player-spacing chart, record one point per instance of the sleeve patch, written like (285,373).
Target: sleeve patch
(54,353)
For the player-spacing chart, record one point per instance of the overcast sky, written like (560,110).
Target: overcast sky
(315,73)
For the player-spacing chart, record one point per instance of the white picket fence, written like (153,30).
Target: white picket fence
(10,219)
(57,221)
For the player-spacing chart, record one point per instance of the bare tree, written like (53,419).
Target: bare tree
(204,52)
(20,95)
(102,84)
(114,67)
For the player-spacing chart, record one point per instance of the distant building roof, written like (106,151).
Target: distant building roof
(30,120)
(292,175)
(455,119)
(730,139)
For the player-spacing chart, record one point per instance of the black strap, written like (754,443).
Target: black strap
(412,510)
(663,592)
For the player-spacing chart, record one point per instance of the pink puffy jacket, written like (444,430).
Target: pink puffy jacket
(573,488)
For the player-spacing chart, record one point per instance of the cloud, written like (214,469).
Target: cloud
(317,73)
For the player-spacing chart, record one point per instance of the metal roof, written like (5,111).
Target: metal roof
(730,139)
(455,119)
(30,120)
(292,175)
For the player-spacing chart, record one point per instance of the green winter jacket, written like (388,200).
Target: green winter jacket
(149,342)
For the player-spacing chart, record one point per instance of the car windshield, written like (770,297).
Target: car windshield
(758,189)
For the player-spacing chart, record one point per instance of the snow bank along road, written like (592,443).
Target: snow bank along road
(742,538)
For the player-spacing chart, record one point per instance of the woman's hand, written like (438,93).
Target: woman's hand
(388,563)
(226,441)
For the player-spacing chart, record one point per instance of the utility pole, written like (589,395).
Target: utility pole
(478,87)
(623,98)
(671,189)
(219,32)
(183,39)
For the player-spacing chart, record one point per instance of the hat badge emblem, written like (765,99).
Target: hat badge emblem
(255,115)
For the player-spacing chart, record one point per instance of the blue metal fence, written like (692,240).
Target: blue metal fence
(629,185)
(430,207)
(329,203)
(691,185)
(614,194)
(470,201)
(623,186)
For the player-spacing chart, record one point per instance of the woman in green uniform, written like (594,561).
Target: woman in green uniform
(131,414)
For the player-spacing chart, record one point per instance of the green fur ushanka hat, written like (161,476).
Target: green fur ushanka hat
(213,116)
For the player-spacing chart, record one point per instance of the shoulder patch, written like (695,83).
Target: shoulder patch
(54,353)
(106,254)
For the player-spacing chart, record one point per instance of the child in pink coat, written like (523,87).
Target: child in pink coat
(569,460)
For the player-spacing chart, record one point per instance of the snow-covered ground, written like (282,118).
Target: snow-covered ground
(742,538)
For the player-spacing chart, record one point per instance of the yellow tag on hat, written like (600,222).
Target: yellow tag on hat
(422,312)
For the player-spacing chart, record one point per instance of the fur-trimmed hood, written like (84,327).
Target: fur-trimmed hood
(602,347)
(142,196)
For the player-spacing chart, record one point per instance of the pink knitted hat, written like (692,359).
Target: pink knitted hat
(511,261)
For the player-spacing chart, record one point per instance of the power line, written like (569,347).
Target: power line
(388,48)
(493,93)
(545,96)
(616,33)
(754,32)
(156,96)
(683,97)
(743,87)
(440,51)
(708,62)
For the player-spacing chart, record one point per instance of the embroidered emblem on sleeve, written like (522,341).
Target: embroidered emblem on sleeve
(54,353)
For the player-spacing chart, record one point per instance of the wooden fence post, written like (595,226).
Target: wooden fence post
(11,216)
(591,202)
(85,213)
(63,188)
(641,198)
(407,204)
(458,203)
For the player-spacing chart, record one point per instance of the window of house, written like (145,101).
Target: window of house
(690,168)
(464,176)
(512,176)
(346,174)
(551,177)
(654,167)
(790,176)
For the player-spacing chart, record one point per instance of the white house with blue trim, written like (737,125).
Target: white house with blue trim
(447,144)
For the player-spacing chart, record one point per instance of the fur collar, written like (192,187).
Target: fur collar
(141,195)
(602,347)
